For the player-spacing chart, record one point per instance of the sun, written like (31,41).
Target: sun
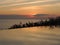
(30,16)
(32,13)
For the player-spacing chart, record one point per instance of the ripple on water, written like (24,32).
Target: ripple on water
(30,36)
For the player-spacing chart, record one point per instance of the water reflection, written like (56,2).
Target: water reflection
(30,36)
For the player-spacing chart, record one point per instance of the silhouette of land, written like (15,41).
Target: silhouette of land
(16,16)
(48,22)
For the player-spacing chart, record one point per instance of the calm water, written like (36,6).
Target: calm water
(6,23)
(29,36)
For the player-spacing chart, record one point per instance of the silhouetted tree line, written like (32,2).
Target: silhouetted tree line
(48,22)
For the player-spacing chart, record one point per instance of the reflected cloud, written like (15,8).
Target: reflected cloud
(29,36)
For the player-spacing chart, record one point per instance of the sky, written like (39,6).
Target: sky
(30,7)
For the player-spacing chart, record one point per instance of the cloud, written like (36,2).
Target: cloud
(27,3)
(29,6)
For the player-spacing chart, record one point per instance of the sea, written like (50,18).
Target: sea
(27,36)
(6,23)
